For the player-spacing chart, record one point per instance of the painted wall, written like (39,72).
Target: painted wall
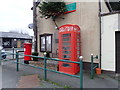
(89,23)
(86,16)
(104,8)
(109,26)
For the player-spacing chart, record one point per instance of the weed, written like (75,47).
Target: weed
(66,86)
(54,83)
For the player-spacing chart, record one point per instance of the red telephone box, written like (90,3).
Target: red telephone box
(69,48)
(27,51)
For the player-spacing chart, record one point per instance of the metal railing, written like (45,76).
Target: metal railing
(93,67)
(80,76)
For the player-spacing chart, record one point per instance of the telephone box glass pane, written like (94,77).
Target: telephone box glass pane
(66,56)
(78,35)
(48,43)
(42,43)
(66,35)
(78,48)
(78,44)
(66,39)
(78,52)
(78,40)
(66,48)
(66,43)
(66,52)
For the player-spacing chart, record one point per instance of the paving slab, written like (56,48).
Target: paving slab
(27,75)
(28,81)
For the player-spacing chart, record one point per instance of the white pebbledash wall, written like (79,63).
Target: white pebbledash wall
(109,26)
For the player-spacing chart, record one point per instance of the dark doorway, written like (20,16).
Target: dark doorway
(7,42)
(117,41)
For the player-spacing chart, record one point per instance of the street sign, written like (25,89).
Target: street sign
(71,8)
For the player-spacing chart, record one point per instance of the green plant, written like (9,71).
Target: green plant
(66,86)
(52,82)
(51,9)
(35,54)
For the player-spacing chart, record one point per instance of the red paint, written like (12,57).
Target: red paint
(69,11)
(27,50)
(74,38)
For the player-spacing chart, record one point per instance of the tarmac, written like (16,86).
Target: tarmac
(11,78)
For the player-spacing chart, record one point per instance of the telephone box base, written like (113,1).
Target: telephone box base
(69,72)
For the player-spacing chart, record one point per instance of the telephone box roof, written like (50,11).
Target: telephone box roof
(69,27)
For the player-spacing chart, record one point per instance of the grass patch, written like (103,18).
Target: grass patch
(54,83)
(41,84)
(66,86)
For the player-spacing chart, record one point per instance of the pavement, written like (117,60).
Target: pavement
(28,81)
(11,78)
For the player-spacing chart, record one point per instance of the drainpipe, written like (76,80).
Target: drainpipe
(35,25)
(100,30)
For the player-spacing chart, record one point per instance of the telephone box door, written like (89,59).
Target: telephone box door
(68,49)
(65,52)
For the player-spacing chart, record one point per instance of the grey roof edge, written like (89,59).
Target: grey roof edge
(14,35)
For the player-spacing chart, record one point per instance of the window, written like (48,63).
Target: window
(46,42)
(113,5)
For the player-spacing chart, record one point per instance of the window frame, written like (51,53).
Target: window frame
(45,35)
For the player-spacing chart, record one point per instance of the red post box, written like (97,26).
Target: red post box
(27,51)
(69,48)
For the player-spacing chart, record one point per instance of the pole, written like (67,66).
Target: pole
(35,24)
(13,52)
(0,57)
(100,31)
(17,58)
(91,66)
(81,73)
(45,71)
